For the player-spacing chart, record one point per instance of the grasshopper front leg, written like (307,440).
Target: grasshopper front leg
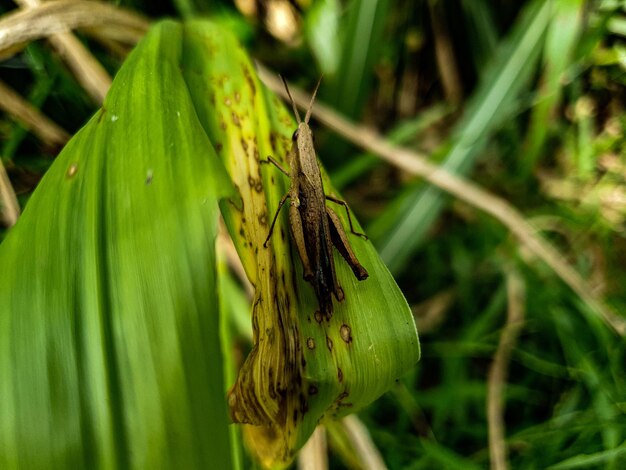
(280,206)
(272,160)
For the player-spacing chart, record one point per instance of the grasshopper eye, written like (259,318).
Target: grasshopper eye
(294,137)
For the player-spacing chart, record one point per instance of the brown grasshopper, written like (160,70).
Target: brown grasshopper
(314,226)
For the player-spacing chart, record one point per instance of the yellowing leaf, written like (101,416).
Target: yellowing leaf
(302,368)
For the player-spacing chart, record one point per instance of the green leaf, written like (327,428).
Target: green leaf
(109,346)
(110,350)
(302,368)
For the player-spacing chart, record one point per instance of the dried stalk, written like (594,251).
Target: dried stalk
(87,70)
(314,454)
(40,125)
(25,25)
(362,443)
(496,381)
(9,207)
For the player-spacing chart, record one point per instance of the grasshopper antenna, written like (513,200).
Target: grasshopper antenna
(293,103)
(308,111)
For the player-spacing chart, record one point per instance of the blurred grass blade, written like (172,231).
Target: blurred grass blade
(321,30)
(109,346)
(442,457)
(360,42)
(490,105)
(563,34)
(302,368)
(596,460)
(482,29)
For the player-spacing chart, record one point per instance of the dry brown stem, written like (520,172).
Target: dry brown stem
(446,62)
(314,454)
(496,381)
(9,207)
(87,70)
(461,188)
(25,25)
(48,131)
(362,443)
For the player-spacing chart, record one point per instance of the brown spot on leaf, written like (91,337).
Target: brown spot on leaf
(250,80)
(235,119)
(273,142)
(346,333)
(340,294)
(312,390)
(304,406)
(339,374)
(329,344)
(318,317)
(72,170)
(310,343)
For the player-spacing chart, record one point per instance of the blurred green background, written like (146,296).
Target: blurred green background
(526,99)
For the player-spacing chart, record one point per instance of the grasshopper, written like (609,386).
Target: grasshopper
(315,227)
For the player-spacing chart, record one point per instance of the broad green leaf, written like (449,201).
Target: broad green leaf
(109,343)
(302,368)
(109,339)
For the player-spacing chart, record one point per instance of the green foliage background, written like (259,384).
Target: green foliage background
(539,121)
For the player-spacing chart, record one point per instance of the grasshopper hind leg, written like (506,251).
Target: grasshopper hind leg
(340,241)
